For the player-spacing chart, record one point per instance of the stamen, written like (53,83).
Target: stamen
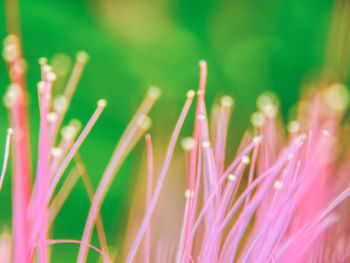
(202,63)
(81,60)
(267,98)
(10,52)
(200,92)
(144,122)
(245,159)
(41,86)
(82,57)
(42,61)
(293,127)
(227,101)
(51,117)
(61,64)
(47,68)
(270,111)
(56,151)
(102,103)
(337,97)
(278,185)
(6,156)
(76,124)
(232,177)
(188,143)
(326,132)
(257,139)
(201,117)
(188,194)
(12,95)
(206,144)
(51,76)
(154,92)
(70,131)
(257,119)
(60,103)
(190,93)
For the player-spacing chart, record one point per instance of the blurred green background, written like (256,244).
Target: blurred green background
(250,47)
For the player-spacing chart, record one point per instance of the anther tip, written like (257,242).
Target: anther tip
(154,92)
(102,103)
(245,159)
(190,93)
(232,177)
(202,63)
(10,131)
(42,61)
(51,76)
(82,57)
(227,101)
(188,143)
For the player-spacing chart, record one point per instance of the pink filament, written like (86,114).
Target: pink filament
(63,241)
(149,193)
(161,179)
(6,156)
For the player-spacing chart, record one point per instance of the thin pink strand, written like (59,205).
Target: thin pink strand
(149,193)
(74,149)
(42,178)
(221,181)
(162,176)
(194,152)
(64,241)
(183,227)
(64,165)
(123,147)
(6,156)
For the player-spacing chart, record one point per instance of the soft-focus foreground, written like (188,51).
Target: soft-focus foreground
(281,199)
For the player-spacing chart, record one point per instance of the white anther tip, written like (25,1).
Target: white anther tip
(202,63)
(47,68)
(102,103)
(293,126)
(51,117)
(201,117)
(257,119)
(232,177)
(188,143)
(51,76)
(227,101)
(82,57)
(145,122)
(42,61)
(257,139)
(56,151)
(326,132)
(188,193)
(154,92)
(245,159)
(278,185)
(10,131)
(190,93)
(206,144)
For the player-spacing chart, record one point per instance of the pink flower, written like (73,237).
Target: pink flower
(281,199)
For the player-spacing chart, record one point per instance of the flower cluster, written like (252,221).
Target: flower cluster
(281,199)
